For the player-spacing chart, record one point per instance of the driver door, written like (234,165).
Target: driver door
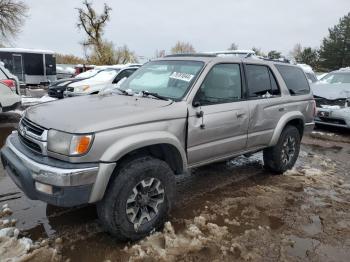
(218,120)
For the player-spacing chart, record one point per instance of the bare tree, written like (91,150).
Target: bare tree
(296,52)
(69,59)
(93,25)
(182,48)
(12,15)
(124,55)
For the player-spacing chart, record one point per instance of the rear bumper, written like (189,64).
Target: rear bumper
(70,186)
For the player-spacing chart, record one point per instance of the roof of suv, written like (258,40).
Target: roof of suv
(212,57)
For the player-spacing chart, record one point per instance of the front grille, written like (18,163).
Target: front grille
(333,121)
(37,130)
(31,145)
(320,101)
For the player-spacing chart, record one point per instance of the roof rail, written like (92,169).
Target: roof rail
(285,60)
(192,54)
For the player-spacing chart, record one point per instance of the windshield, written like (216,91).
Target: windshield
(88,73)
(105,75)
(169,79)
(336,78)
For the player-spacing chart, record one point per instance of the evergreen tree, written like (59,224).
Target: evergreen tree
(335,49)
(308,56)
(274,54)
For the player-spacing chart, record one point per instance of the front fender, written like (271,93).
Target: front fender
(137,141)
(283,122)
(124,146)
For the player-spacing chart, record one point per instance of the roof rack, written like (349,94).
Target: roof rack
(285,60)
(192,54)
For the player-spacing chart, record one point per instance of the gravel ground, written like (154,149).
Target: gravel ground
(228,211)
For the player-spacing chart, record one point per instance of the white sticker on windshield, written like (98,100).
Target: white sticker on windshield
(181,76)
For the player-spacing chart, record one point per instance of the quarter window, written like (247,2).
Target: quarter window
(295,79)
(261,82)
(221,85)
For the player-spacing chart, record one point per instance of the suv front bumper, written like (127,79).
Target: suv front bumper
(71,184)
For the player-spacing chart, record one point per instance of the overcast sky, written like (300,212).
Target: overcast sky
(147,25)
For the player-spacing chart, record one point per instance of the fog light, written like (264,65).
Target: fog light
(43,188)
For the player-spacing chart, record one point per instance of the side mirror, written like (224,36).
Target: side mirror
(196,104)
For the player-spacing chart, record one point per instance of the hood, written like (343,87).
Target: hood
(87,114)
(331,91)
(65,82)
(90,81)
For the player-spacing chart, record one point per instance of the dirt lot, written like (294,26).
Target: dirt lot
(224,212)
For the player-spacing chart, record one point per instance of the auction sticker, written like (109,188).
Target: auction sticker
(181,76)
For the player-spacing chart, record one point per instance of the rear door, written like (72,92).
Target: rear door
(218,117)
(265,104)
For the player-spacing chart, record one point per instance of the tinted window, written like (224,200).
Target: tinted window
(261,82)
(50,63)
(33,64)
(222,84)
(295,79)
(125,73)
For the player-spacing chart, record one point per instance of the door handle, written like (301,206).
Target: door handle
(281,109)
(240,114)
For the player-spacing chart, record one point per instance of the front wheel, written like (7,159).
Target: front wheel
(283,156)
(138,200)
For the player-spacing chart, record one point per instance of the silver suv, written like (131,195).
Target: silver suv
(123,149)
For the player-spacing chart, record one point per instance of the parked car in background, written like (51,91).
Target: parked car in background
(57,88)
(65,71)
(10,98)
(310,74)
(104,78)
(332,95)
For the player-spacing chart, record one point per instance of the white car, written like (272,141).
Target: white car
(9,90)
(310,74)
(103,79)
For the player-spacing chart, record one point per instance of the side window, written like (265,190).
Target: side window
(261,82)
(221,85)
(295,79)
(121,75)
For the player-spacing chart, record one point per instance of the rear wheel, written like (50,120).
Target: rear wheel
(283,156)
(138,200)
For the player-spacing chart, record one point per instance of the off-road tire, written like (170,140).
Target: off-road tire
(112,209)
(273,156)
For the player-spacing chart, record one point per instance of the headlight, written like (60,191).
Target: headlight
(68,144)
(82,88)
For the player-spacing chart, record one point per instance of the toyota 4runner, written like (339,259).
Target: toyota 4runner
(122,149)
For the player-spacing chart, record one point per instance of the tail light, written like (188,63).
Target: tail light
(9,83)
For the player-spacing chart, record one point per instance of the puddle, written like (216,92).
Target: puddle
(301,247)
(314,227)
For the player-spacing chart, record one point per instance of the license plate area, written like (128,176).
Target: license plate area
(323,114)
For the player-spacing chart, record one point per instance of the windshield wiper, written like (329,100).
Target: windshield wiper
(122,91)
(156,95)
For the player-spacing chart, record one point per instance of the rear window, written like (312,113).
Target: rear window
(295,79)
